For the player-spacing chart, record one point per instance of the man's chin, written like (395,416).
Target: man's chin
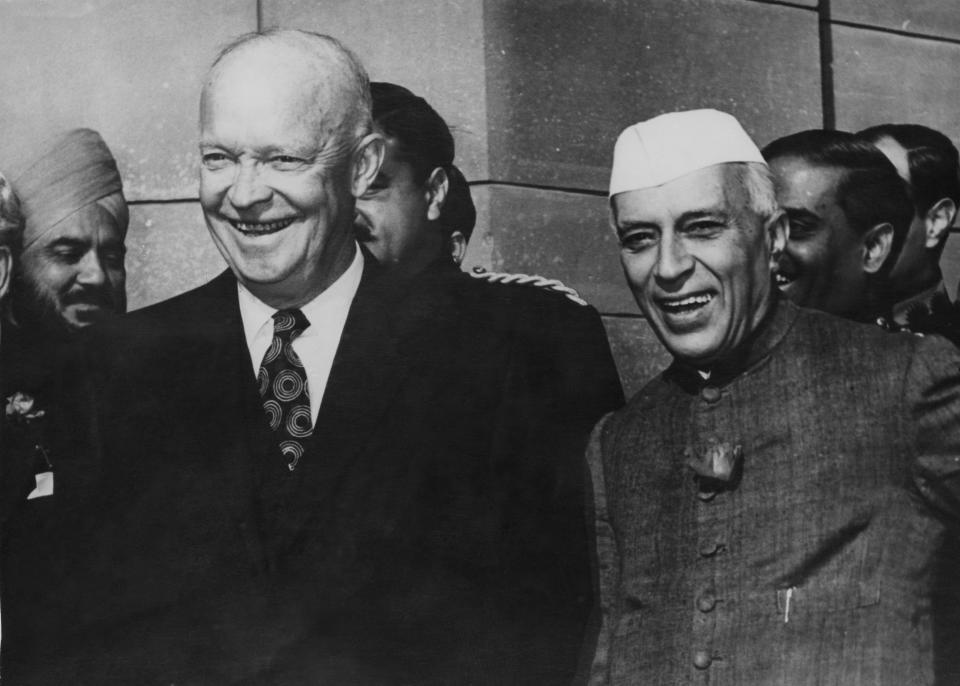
(795,291)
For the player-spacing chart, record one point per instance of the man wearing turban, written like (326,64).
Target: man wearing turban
(70,272)
(772,507)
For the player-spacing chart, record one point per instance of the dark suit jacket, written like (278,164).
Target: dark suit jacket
(432,533)
(820,564)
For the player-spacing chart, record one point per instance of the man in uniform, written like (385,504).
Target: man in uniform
(769,508)
(928,161)
(300,473)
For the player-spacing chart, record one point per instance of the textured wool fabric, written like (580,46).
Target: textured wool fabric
(74,170)
(819,564)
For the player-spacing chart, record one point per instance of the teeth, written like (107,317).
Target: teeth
(262,227)
(782,280)
(692,301)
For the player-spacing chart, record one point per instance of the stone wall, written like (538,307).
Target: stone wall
(536,90)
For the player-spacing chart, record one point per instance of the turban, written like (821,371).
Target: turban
(672,145)
(74,170)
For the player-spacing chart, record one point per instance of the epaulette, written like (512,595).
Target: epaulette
(528,280)
(887,324)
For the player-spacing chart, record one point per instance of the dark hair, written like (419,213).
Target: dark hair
(870,192)
(932,160)
(423,140)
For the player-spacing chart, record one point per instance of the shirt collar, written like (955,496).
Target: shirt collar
(256,314)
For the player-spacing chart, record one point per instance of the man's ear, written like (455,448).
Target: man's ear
(877,243)
(938,221)
(458,246)
(6,269)
(778,232)
(437,186)
(366,162)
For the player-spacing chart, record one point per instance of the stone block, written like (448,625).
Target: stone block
(564,78)
(559,235)
(169,251)
(929,17)
(434,49)
(881,77)
(131,69)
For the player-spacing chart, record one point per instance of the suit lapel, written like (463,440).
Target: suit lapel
(234,434)
(367,372)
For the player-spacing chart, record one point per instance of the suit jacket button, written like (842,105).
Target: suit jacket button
(701,659)
(710,393)
(707,601)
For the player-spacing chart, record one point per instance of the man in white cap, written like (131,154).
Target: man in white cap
(771,508)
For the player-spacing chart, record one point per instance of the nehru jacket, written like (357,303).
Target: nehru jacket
(820,560)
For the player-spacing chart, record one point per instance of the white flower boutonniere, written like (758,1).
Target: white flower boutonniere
(21,409)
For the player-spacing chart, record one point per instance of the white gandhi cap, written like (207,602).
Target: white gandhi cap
(672,145)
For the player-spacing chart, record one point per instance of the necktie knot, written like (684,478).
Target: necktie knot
(288,324)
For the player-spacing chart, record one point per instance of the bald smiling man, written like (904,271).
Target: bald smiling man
(293,476)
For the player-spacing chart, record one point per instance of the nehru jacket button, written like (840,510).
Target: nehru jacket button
(701,659)
(707,601)
(710,393)
(710,549)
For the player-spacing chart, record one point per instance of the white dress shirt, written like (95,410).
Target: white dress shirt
(317,345)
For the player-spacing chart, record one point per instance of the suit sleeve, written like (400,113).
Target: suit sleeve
(933,394)
(591,383)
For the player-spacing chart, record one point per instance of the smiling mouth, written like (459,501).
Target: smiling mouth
(363,232)
(784,280)
(690,303)
(260,228)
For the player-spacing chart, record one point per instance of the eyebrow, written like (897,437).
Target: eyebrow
(632,225)
(686,217)
(307,152)
(800,213)
(67,242)
(693,215)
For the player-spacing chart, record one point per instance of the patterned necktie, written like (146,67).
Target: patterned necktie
(282,382)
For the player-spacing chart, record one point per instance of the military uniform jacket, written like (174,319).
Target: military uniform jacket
(818,562)
(433,532)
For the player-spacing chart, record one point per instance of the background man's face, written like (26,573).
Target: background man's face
(74,275)
(822,266)
(697,261)
(913,254)
(278,204)
(392,217)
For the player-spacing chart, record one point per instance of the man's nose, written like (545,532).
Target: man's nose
(673,260)
(91,271)
(248,187)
